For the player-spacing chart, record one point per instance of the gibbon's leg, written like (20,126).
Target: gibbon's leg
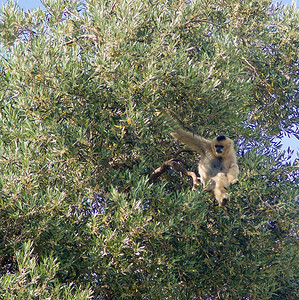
(232,175)
(221,196)
(221,180)
(221,183)
(210,186)
(204,178)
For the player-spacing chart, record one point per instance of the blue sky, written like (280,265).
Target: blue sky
(292,142)
(27,4)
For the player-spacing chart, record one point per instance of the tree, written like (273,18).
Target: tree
(90,91)
(36,281)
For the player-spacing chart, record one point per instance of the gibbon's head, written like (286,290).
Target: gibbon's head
(222,146)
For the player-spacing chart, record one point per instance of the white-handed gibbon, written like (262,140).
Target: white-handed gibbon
(218,166)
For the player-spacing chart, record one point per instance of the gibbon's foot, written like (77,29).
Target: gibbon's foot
(224,200)
(210,185)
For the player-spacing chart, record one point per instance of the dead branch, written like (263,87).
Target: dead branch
(179,166)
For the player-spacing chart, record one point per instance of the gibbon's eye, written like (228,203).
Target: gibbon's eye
(219,148)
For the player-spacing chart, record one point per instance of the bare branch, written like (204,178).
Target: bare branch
(179,166)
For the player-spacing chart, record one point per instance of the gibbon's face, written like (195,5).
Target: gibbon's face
(221,146)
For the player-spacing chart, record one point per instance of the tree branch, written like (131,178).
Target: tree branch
(179,166)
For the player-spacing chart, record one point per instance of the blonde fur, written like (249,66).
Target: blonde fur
(218,166)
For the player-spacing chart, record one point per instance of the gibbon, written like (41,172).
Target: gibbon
(218,166)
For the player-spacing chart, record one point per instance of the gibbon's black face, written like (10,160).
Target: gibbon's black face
(219,148)
(219,145)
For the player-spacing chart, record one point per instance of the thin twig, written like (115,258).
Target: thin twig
(84,36)
(251,66)
(195,20)
(113,5)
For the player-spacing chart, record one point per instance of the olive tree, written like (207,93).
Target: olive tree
(90,91)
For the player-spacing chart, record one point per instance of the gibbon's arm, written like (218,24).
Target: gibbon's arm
(232,174)
(195,142)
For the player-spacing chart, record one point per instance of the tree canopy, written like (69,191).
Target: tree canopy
(89,93)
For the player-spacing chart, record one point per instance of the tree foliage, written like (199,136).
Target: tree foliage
(89,92)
